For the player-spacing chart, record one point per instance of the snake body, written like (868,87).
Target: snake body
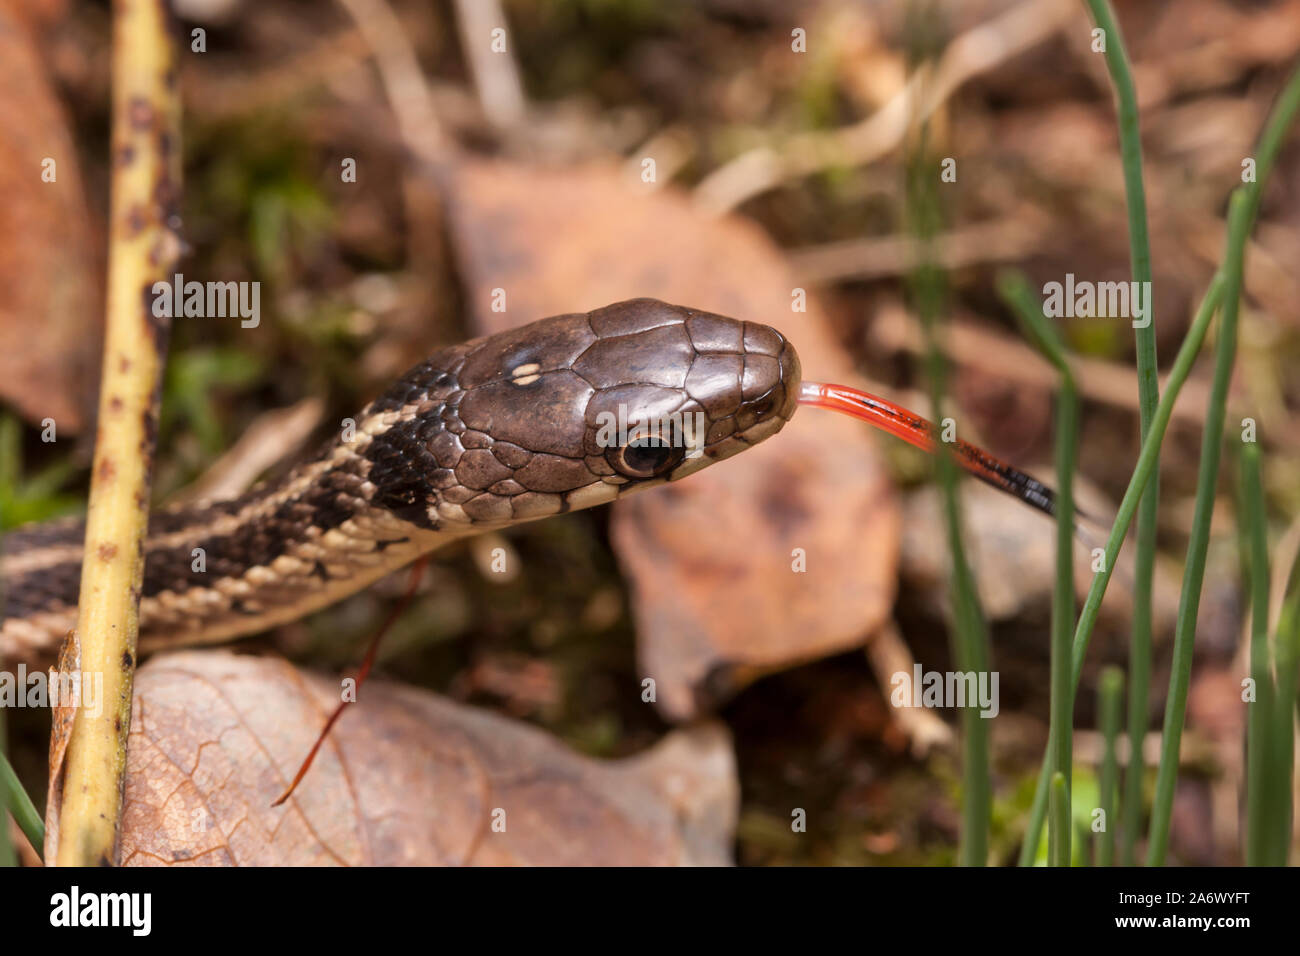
(483,435)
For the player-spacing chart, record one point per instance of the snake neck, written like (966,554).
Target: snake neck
(214,571)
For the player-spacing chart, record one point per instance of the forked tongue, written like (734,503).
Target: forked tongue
(915,430)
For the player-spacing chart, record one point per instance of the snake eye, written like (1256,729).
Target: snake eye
(644,457)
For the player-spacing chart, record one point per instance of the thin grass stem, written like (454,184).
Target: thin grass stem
(1241,217)
(1058,852)
(15,799)
(1110,703)
(1130,146)
(969,638)
(1015,290)
(1259,716)
(1123,518)
(1281,769)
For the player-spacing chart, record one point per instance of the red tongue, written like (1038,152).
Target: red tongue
(885,415)
(915,430)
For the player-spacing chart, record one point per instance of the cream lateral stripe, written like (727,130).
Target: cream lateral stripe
(353,560)
(25,638)
(220,525)
(39,559)
(296,596)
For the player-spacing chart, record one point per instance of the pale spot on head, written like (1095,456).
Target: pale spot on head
(525,374)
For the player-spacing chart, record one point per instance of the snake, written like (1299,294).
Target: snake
(565,413)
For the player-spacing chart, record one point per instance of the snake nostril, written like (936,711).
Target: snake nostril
(765,406)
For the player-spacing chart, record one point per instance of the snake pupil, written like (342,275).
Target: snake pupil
(646,457)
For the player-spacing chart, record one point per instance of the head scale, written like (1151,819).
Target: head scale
(575,410)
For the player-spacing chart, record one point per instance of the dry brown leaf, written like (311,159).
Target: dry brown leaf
(406,778)
(61,718)
(50,320)
(710,559)
(38,14)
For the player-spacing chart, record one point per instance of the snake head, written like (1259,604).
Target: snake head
(576,410)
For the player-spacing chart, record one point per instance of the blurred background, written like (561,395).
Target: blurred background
(776,134)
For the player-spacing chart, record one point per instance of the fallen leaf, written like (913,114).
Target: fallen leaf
(710,560)
(405,778)
(38,14)
(61,719)
(50,320)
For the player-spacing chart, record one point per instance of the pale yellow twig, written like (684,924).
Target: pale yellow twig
(143,245)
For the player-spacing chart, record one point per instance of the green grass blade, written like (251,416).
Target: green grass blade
(969,643)
(1270,141)
(1281,766)
(14,797)
(1130,144)
(1016,292)
(971,653)
(969,632)
(1198,541)
(1110,701)
(1281,753)
(7,855)
(1058,844)
(1123,518)
(1254,562)
(1241,215)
